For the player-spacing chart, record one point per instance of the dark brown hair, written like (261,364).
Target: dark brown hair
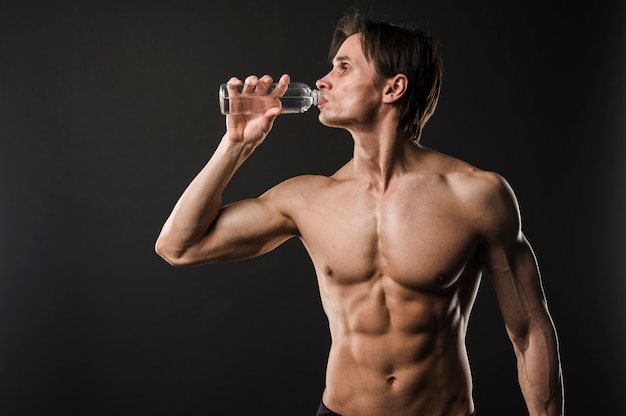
(396,49)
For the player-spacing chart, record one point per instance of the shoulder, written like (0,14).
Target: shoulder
(484,196)
(463,178)
(492,203)
(480,188)
(296,191)
(299,184)
(309,185)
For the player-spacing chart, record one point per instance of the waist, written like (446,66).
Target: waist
(407,371)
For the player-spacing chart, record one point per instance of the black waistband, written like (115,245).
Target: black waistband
(325,411)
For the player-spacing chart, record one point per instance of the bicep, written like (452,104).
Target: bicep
(244,229)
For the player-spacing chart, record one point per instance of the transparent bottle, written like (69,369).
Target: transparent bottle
(298,98)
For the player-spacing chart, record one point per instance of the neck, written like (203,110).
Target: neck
(381,156)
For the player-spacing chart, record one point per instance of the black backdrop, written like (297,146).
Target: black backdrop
(108,109)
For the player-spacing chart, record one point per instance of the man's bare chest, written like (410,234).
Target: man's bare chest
(417,240)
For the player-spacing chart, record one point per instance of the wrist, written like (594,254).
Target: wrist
(236,148)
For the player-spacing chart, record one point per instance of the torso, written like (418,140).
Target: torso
(397,276)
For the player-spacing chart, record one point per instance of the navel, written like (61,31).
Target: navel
(391,380)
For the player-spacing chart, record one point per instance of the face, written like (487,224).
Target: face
(351,98)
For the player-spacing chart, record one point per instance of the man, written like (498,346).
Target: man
(398,236)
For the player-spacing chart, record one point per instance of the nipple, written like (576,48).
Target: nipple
(443,279)
(328,271)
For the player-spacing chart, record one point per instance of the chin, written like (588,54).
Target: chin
(329,121)
(323,119)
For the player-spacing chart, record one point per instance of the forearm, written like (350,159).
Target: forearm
(540,375)
(201,202)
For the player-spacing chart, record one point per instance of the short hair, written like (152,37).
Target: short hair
(396,49)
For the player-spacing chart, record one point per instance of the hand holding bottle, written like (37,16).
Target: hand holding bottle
(252,126)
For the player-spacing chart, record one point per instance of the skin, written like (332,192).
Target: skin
(399,238)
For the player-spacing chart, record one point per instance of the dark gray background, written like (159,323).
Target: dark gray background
(107,111)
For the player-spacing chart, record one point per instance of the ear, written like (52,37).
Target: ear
(395,88)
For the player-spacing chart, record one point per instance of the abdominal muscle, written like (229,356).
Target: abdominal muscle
(395,351)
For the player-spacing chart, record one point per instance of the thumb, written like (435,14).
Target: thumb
(269,117)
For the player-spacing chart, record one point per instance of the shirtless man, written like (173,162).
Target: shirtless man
(398,236)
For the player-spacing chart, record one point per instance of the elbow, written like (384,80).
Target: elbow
(520,343)
(520,337)
(174,256)
(531,340)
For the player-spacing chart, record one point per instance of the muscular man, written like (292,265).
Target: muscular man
(398,236)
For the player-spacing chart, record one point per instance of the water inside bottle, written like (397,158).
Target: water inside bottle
(260,104)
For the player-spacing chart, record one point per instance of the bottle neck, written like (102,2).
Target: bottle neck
(317,96)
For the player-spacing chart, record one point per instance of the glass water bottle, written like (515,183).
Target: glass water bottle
(298,98)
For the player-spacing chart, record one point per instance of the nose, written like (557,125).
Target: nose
(322,83)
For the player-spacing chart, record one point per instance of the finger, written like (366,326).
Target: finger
(269,117)
(232,85)
(249,86)
(282,85)
(264,83)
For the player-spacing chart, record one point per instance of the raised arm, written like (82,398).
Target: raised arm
(199,229)
(511,263)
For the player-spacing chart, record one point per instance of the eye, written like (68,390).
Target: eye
(343,68)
